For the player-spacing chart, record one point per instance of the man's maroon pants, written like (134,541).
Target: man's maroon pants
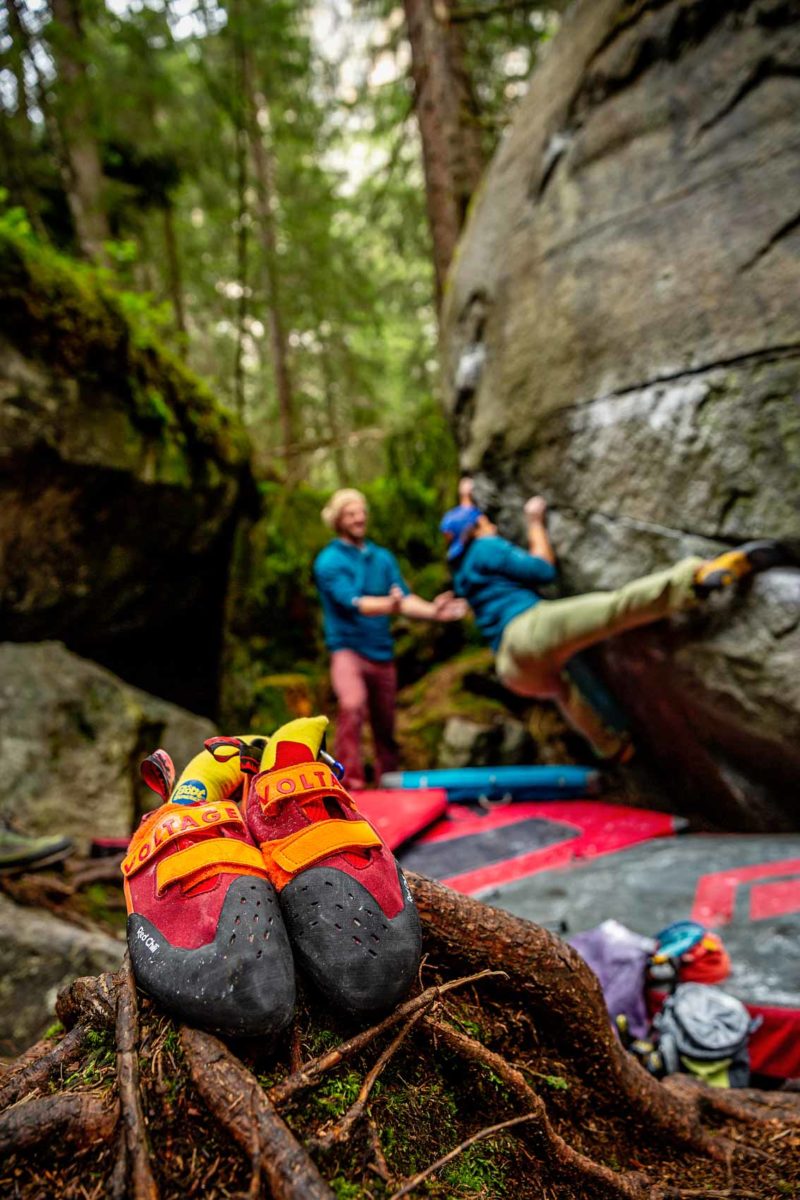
(364,689)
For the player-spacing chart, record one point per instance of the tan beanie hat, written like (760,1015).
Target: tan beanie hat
(338,501)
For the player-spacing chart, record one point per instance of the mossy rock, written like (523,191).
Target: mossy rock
(465,687)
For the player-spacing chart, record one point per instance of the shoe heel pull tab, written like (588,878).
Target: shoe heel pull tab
(158,772)
(223,749)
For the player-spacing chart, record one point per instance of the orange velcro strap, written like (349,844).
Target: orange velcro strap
(307,846)
(305,782)
(219,853)
(173,821)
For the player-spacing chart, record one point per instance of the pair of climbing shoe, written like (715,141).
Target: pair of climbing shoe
(731,566)
(224,897)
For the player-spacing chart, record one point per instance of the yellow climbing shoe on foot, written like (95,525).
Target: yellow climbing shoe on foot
(726,569)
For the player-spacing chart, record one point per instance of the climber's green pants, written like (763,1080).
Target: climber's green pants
(537,644)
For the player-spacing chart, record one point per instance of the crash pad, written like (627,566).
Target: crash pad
(475,849)
(400,815)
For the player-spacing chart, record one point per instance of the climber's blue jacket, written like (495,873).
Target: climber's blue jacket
(498,579)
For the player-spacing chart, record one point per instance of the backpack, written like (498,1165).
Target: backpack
(704,1031)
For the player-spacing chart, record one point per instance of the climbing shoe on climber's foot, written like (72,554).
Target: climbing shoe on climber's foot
(18,852)
(733,565)
(205,933)
(353,925)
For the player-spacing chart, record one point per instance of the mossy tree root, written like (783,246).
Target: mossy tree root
(561,990)
(546,1144)
(235,1097)
(80,1118)
(516,967)
(134,1151)
(37,1069)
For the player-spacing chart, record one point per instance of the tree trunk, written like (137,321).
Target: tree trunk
(174,279)
(264,171)
(337,447)
(85,190)
(239,390)
(452,156)
(19,139)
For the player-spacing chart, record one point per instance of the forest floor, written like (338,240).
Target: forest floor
(372,1111)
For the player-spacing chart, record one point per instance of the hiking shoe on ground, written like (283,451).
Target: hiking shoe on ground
(19,852)
(205,933)
(353,924)
(726,569)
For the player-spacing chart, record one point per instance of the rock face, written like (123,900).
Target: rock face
(72,736)
(120,480)
(40,954)
(623,335)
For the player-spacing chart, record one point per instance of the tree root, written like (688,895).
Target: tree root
(341,1130)
(548,1145)
(136,1157)
(489,1131)
(98,870)
(73,1117)
(310,1072)
(36,1071)
(555,979)
(91,999)
(234,1096)
(742,1104)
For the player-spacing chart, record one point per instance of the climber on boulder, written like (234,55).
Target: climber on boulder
(534,639)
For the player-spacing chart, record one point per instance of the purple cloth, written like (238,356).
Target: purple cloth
(617,956)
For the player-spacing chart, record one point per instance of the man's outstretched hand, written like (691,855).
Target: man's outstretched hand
(535,509)
(449,607)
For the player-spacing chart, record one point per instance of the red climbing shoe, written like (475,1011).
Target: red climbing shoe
(205,933)
(353,925)
(733,565)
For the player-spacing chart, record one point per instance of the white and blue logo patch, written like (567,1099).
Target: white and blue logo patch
(191,791)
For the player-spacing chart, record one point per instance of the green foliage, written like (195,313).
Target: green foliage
(202,267)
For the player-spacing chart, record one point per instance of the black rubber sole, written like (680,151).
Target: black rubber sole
(361,960)
(241,984)
(766,554)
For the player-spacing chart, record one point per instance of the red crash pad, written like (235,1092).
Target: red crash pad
(399,815)
(473,850)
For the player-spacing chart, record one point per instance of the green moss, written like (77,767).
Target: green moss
(70,316)
(477,1171)
(343,1190)
(338,1093)
(426,706)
